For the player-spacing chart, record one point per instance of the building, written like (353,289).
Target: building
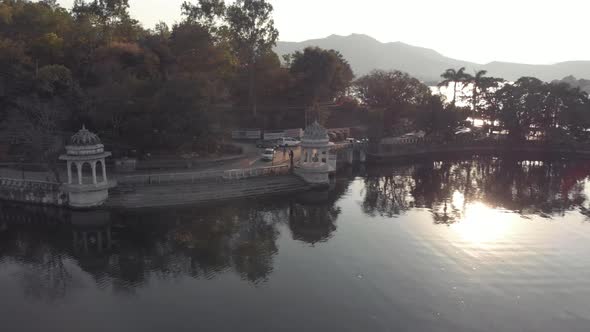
(88,185)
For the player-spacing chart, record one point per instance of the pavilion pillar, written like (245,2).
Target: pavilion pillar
(93,165)
(79,168)
(69,172)
(104,171)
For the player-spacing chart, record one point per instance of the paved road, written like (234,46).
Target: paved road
(281,157)
(251,159)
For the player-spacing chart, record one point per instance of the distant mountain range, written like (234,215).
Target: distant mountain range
(365,53)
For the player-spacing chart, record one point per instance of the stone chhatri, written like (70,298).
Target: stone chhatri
(315,132)
(84,137)
(315,145)
(86,190)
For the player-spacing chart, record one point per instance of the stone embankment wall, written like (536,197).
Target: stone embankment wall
(425,147)
(36,192)
(204,176)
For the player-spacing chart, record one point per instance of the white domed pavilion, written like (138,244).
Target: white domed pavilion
(315,148)
(85,154)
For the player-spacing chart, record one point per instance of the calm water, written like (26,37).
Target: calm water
(480,245)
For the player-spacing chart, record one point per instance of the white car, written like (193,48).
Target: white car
(288,142)
(462,130)
(268,154)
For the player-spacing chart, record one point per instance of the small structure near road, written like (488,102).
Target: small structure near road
(85,187)
(315,148)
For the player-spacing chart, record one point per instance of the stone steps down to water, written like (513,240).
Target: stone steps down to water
(128,196)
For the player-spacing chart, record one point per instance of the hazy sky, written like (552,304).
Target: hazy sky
(529,31)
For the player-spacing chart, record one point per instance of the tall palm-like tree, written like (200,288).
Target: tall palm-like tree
(478,82)
(453,77)
(484,90)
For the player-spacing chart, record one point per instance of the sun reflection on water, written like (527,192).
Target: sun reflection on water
(479,223)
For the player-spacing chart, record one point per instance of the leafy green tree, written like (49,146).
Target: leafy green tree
(394,94)
(521,105)
(207,13)
(575,120)
(434,119)
(253,34)
(320,75)
(563,104)
(455,78)
(477,82)
(111,16)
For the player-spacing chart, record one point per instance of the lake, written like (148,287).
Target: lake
(484,244)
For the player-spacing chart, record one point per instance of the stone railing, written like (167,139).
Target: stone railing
(195,177)
(29,184)
(349,145)
(164,178)
(256,172)
(28,191)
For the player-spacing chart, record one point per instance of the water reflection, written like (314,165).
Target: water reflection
(313,216)
(451,189)
(469,252)
(55,251)
(126,249)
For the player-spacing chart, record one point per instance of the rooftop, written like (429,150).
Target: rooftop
(84,138)
(315,132)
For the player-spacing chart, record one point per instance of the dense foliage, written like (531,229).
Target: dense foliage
(169,88)
(181,88)
(526,109)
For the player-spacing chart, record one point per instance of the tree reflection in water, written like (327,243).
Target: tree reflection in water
(544,188)
(126,249)
(45,272)
(54,251)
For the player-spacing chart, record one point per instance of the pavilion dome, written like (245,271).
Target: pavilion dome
(84,143)
(315,132)
(84,137)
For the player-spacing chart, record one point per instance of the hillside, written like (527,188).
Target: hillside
(366,53)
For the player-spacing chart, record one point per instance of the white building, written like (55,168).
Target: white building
(88,185)
(314,166)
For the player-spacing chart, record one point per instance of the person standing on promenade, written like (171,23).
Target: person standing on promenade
(291,157)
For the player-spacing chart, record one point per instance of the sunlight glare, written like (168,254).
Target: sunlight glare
(481,224)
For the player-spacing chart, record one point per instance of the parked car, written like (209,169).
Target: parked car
(416,134)
(264,144)
(462,130)
(288,142)
(268,154)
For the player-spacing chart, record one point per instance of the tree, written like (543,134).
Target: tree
(453,77)
(253,34)
(434,118)
(393,94)
(520,107)
(480,85)
(320,75)
(476,81)
(566,111)
(112,16)
(54,99)
(576,120)
(206,13)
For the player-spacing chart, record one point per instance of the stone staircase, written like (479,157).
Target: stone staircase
(142,196)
